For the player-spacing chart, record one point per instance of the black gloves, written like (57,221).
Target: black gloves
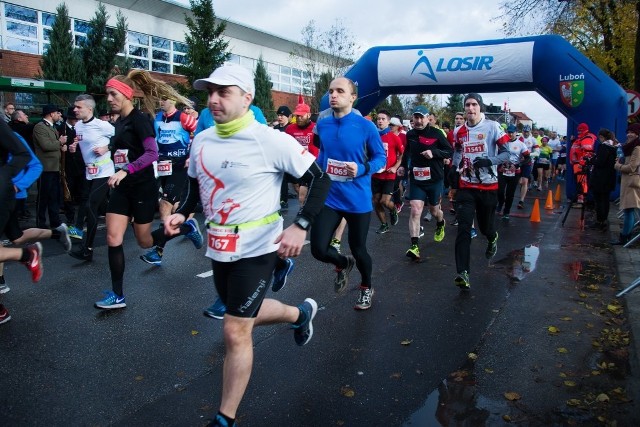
(482,162)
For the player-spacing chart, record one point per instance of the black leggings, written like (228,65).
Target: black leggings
(322,233)
(601,200)
(94,195)
(468,203)
(506,190)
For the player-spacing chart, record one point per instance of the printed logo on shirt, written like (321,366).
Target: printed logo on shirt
(426,141)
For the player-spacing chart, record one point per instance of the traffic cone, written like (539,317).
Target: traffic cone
(558,195)
(535,213)
(549,204)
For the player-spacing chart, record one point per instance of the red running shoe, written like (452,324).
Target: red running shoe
(35,261)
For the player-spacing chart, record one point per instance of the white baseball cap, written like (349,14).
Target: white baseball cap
(395,121)
(229,75)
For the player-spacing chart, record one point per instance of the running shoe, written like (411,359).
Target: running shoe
(427,217)
(75,232)
(413,252)
(505,217)
(421,232)
(452,211)
(384,228)
(364,299)
(280,275)
(462,280)
(342,277)
(65,241)
(393,213)
(439,235)
(455,222)
(3,286)
(219,421)
(580,198)
(399,207)
(520,204)
(34,264)
(303,332)
(492,247)
(335,243)
(111,301)
(152,257)
(474,233)
(4,315)
(195,235)
(83,254)
(217,310)
(499,208)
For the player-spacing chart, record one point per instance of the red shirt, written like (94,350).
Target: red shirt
(393,147)
(304,136)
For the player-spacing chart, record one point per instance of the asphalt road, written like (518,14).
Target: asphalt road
(424,354)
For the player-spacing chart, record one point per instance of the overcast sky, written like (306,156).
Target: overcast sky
(389,23)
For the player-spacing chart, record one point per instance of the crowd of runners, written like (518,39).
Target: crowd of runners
(140,162)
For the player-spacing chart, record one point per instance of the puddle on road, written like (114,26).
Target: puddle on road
(520,262)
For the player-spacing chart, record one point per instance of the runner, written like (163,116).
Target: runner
(427,147)
(237,167)
(509,172)
(173,133)
(383,181)
(483,146)
(92,138)
(135,191)
(350,151)
(525,171)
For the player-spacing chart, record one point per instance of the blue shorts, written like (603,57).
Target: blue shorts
(430,193)
(525,171)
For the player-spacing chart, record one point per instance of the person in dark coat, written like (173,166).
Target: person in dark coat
(602,180)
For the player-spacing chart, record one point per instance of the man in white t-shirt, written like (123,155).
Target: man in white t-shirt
(92,138)
(236,169)
(556,146)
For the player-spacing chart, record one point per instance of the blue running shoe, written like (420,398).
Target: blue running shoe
(220,422)
(152,257)
(302,333)
(217,310)
(195,235)
(474,233)
(280,275)
(75,233)
(111,301)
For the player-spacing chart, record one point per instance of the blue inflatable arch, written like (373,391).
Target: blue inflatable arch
(549,65)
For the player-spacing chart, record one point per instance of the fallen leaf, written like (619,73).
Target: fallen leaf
(570,383)
(488,371)
(562,350)
(507,418)
(553,330)
(511,395)
(139,378)
(347,392)
(566,318)
(573,402)
(406,342)
(194,332)
(562,375)
(396,375)
(602,397)
(614,308)
(472,356)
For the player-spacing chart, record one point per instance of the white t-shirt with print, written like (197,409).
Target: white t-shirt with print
(239,179)
(92,134)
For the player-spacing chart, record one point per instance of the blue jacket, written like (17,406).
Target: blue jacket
(29,174)
(205,119)
(351,138)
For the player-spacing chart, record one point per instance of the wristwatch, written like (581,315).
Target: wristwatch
(302,222)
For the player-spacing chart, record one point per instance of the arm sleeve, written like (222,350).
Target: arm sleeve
(188,122)
(190,197)
(319,184)
(150,155)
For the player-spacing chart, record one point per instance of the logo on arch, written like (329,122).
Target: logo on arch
(572,89)
(450,64)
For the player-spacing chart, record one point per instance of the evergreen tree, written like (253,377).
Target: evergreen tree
(395,106)
(101,48)
(383,105)
(206,49)
(321,88)
(61,61)
(419,99)
(262,97)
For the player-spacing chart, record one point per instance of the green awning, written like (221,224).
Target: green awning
(15,84)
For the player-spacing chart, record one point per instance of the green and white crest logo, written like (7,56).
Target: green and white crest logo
(572,89)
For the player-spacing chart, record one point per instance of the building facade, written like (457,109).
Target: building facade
(155,41)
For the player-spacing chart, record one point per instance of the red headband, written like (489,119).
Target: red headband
(121,87)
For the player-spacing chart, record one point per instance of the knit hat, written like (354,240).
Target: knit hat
(283,110)
(475,96)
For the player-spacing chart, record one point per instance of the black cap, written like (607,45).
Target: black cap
(283,110)
(71,114)
(49,108)
(103,113)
